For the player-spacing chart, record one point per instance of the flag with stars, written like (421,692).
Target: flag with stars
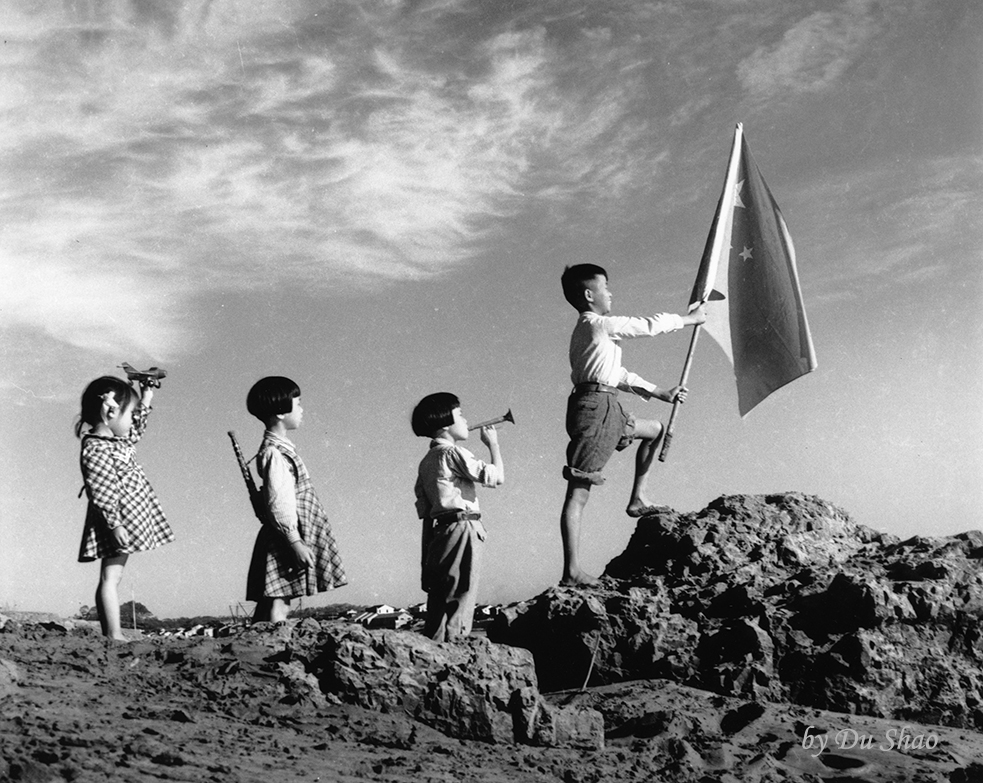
(749,280)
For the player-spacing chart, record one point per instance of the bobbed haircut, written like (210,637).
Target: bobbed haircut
(575,279)
(91,413)
(434,412)
(271,396)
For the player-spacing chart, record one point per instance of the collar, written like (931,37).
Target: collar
(267,435)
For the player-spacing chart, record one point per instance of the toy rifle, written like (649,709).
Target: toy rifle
(255,496)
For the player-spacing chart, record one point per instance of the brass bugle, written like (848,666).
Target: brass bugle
(507,417)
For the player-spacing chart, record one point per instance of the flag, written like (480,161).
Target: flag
(748,277)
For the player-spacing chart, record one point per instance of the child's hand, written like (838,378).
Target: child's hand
(670,395)
(677,393)
(121,538)
(699,315)
(489,436)
(304,557)
(146,395)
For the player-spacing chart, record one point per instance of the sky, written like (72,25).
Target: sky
(377,199)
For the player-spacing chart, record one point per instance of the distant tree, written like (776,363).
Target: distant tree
(125,613)
(142,612)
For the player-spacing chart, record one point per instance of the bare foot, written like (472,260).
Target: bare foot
(638,508)
(579,579)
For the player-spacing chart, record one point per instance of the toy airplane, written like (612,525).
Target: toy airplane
(149,377)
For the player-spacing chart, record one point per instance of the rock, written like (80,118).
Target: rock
(971,774)
(737,719)
(62,626)
(469,690)
(595,637)
(779,597)
(547,725)
(299,685)
(10,677)
(241,707)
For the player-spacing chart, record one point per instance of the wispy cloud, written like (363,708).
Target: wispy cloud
(812,55)
(177,149)
(186,148)
(158,153)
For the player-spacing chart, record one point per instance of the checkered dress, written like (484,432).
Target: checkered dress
(273,571)
(119,494)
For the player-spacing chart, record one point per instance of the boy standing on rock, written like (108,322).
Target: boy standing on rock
(596,422)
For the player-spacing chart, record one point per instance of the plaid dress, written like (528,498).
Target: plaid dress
(119,494)
(273,571)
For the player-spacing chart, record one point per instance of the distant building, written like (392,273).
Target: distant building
(383,616)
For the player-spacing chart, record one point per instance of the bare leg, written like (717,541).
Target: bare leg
(279,609)
(573,509)
(650,433)
(107,596)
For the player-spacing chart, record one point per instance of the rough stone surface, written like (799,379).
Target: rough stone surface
(776,597)
(10,677)
(201,710)
(471,690)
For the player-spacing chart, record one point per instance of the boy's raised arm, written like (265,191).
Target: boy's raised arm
(649,391)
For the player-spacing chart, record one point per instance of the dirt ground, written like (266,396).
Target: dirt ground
(75,707)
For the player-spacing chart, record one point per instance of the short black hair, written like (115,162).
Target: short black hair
(434,412)
(271,396)
(92,401)
(575,279)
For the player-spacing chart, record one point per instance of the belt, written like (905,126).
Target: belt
(456,516)
(594,387)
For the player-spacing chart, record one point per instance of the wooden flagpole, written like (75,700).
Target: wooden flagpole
(684,378)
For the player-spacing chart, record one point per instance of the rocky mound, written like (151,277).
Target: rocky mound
(780,598)
(251,707)
(763,639)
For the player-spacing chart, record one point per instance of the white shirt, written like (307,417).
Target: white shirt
(447,477)
(279,488)
(595,353)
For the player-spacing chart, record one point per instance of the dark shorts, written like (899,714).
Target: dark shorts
(598,426)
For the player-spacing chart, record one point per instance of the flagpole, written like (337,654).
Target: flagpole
(670,427)
(707,273)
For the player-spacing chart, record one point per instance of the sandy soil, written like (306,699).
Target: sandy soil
(76,707)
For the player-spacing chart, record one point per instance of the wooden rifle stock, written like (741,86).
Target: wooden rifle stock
(255,496)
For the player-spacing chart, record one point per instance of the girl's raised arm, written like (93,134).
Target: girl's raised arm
(139,423)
